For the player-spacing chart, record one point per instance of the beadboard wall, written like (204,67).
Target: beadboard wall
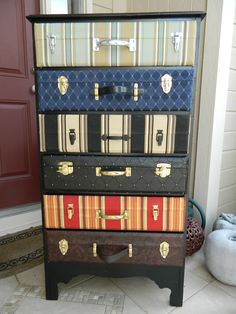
(227,192)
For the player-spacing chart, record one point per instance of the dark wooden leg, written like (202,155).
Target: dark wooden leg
(50,283)
(176,296)
(171,277)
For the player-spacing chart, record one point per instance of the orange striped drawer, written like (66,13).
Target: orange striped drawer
(139,213)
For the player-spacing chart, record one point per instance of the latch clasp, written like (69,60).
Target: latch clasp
(155,212)
(52,42)
(176,39)
(70,211)
(63,246)
(163,170)
(159,137)
(65,167)
(166,83)
(72,136)
(164,249)
(62,84)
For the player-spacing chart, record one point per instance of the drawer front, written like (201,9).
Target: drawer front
(134,213)
(129,89)
(141,43)
(115,174)
(114,133)
(116,247)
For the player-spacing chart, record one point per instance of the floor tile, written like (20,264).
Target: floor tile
(196,264)
(210,300)
(7,287)
(89,294)
(203,273)
(75,282)
(97,290)
(39,306)
(192,284)
(131,307)
(195,260)
(230,290)
(145,293)
(33,276)
(100,284)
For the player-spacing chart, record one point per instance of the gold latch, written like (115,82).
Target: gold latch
(163,170)
(70,211)
(65,167)
(135,91)
(113,173)
(62,84)
(130,248)
(164,249)
(95,250)
(96,91)
(63,246)
(166,83)
(155,212)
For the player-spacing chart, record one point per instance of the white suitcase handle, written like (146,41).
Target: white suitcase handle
(131,43)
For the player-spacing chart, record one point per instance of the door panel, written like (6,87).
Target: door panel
(14,141)
(12,52)
(19,177)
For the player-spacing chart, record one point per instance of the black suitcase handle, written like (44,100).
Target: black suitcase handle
(125,90)
(118,90)
(115,137)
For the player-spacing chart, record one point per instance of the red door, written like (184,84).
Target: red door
(19,175)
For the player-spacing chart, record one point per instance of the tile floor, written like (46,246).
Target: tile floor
(24,294)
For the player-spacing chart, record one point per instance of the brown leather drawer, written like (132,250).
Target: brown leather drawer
(116,247)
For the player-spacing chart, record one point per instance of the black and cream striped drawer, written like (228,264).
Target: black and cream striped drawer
(115,133)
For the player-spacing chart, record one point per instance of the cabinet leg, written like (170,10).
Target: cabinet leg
(51,284)
(176,296)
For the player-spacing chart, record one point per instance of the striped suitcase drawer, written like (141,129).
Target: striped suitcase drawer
(115,133)
(131,43)
(137,213)
(124,89)
(145,248)
(83,174)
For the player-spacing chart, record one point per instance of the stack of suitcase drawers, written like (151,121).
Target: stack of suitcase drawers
(114,99)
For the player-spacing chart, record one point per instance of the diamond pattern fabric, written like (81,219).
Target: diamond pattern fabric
(79,95)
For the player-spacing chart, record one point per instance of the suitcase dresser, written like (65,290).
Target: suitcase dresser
(114,103)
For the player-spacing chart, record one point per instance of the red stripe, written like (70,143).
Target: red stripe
(151,223)
(112,207)
(74,221)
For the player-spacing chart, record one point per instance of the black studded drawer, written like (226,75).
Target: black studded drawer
(158,175)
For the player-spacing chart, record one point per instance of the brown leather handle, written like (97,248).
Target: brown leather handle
(117,256)
(112,258)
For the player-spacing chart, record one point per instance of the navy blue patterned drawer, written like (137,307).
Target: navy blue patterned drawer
(123,89)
